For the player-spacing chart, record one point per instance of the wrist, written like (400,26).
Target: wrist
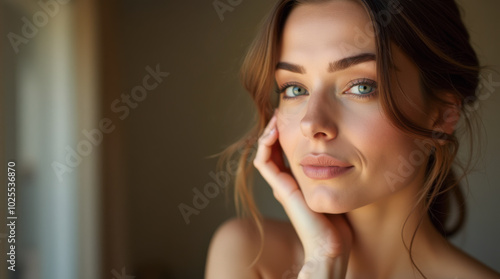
(324,267)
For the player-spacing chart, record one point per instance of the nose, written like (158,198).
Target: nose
(319,121)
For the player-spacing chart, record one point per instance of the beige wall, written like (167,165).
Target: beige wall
(480,235)
(200,108)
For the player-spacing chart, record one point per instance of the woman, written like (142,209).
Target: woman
(360,146)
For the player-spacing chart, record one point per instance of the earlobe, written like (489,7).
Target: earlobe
(450,118)
(447,115)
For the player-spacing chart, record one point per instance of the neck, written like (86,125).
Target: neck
(379,231)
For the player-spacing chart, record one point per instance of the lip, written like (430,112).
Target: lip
(323,166)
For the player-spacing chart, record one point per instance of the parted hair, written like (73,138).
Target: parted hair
(431,33)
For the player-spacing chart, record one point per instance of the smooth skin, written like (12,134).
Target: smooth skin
(349,226)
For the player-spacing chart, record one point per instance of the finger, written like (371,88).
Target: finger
(267,139)
(271,168)
(270,125)
(269,161)
(284,186)
(276,152)
(286,191)
(263,159)
(277,155)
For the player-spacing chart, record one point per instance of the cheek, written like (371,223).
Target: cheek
(289,128)
(368,130)
(384,150)
(374,134)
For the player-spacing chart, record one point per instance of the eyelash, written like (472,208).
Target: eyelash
(351,84)
(282,89)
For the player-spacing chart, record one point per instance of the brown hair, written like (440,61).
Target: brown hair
(432,34)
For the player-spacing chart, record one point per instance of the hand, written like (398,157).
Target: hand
(326,238)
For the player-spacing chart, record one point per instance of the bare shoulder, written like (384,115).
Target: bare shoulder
(237,244)
(463,266)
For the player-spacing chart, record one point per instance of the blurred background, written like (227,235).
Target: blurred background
(111,109)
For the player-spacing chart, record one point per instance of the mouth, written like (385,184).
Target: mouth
(323,166)
(322,172)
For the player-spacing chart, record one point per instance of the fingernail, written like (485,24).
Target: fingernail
(272,131)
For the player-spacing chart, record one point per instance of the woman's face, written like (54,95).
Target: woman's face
(329,107)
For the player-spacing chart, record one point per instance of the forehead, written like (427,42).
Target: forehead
(338,27)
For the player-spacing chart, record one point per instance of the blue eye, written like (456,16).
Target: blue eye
(291,90)
(294,91)
(362,89)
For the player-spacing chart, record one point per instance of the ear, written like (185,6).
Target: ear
(446,114)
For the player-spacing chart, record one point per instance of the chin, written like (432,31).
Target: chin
(323,199)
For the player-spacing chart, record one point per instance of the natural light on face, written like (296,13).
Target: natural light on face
(329,104)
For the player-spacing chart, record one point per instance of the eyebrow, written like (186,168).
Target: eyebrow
(291,67)
(339,65)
